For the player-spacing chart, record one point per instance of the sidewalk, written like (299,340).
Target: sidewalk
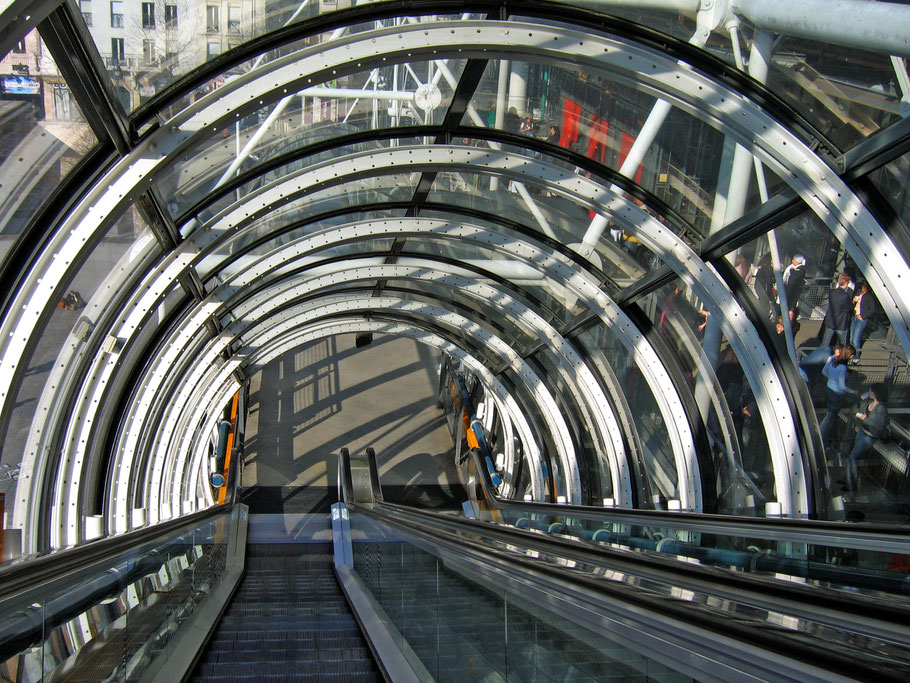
(311,402)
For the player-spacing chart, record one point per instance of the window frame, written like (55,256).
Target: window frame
(117,17)
(118,50)
(212,19)
(233,25)
(148,15)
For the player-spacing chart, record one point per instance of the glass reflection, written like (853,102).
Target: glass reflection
(737,452)
(848,93)
(654,467)
(891,182)
(621,257)
(358,103)
(167,69)
(687,166)
(340,200)
(42,135)
(98,281)
(837,305)
(485,313)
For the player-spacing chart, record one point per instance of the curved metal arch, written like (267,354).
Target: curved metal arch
(176,410)
(261,334)
(137,417)
(169,432)
(534,256)
(505,402)
(893,293)
(660,384)
(81,405)
(770,397)
(300,335)
(582,384)
(199,421)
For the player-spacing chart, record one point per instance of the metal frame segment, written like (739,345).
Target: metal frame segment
(829,198)
(260,334)
(505,403)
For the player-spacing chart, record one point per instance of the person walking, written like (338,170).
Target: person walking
(873,421)
(764,285)
(837,391)
(795,280)
(837,318)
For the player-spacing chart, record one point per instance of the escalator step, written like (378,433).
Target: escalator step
(288,621)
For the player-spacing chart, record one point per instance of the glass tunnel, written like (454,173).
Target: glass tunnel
(658,250)
(622,223)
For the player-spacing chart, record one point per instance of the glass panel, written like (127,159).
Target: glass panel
(250,241)
(351,196)
(656,479)
(738,455)
(598,117)
(217,269)
(847,93)
(564,218)
(878,474)
(178,48)
(42,135)
(590,452)
(125,618)
(99,280)
(342,107)
(891,180)
(461,627)
(486,315)
(537,293)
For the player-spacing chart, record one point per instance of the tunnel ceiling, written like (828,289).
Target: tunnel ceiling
(318,172)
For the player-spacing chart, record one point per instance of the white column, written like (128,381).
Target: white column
(518,88)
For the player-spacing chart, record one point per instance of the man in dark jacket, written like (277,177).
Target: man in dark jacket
(795,280)
(837,319)
(764,285)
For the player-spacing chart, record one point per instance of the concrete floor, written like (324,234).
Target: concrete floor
(321,397)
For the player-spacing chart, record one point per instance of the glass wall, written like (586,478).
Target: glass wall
(59,354)
(43,135)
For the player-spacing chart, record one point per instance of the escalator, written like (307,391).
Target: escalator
(287,620)
(525,591)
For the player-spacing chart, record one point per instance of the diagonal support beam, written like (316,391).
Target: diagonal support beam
(461,100)
(80,64)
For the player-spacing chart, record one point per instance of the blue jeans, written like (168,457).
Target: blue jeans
(856,333)
(861,445)
(835,402)
(829,335)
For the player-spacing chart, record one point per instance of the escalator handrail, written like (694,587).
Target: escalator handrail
(667,568)
(33,572)
(823,605)
(858,536)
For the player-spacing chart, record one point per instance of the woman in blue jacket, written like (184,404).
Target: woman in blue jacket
(837,391)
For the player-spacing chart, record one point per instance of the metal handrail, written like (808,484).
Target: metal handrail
(30,572)
(879,538)
(466,540)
